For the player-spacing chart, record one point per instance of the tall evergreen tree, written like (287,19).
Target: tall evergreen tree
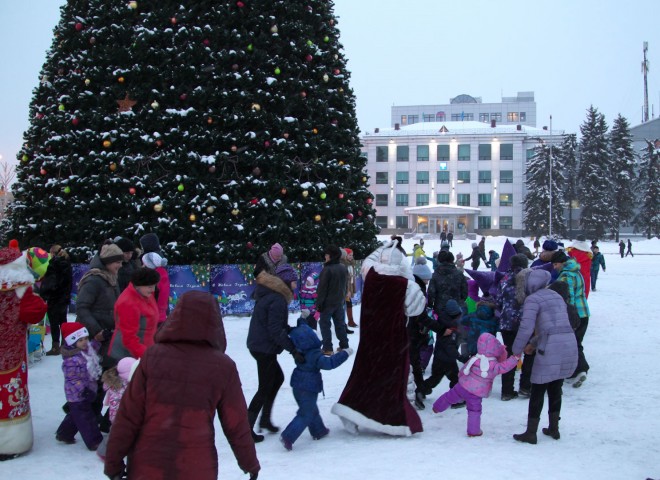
(622,174)
(648,218)
(222,126)
(595,186)
(536,205)
(568,164)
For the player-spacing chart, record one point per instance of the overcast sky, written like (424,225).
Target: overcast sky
(571,53)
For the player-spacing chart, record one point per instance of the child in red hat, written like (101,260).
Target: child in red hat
(82,369)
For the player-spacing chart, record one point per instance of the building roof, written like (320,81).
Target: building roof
(460,128)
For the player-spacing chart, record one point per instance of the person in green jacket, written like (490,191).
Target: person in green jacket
(597,262)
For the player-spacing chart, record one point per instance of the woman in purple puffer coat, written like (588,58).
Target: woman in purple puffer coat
(544,327)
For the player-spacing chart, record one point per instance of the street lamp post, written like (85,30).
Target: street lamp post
(550,191)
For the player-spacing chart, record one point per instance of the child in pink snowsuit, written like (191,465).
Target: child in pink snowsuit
(475,380)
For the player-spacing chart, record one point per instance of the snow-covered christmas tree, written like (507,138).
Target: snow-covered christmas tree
(222,126)
(648,218)
(623,173)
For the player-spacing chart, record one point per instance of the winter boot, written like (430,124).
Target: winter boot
(529,436)
(266,424)
(54,350)
(349,313)
(252,418)
(553,426)
(419,401)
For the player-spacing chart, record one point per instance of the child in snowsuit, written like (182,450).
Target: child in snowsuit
(483,320)
(115,380)
(476,380)
(307,295)
(493,256)
(82,369)
(307,383)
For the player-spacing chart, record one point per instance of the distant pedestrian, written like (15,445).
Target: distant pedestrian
(596,263)
(622,247)
(450,239)
(629,251)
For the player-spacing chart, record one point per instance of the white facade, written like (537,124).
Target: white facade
(453,176)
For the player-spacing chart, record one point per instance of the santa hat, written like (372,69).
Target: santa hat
(14,271)
(348,251)
(72,332)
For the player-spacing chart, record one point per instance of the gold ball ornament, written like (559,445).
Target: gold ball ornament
(317,218)
(273,29)
(341,163)
(210,209)
(133,5)
(192,217)
(235,212)
(209,120)
(256,107)
(325,77)
(87,81)
(121,79)
(158,207)
(364,179)
(155,105)
(315,131)
(305,193)
(107,143)
(113,166)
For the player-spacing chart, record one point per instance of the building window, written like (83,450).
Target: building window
(462,117)
(506,176)
(401,221)
(429,117)
(413,119)
(443,199)
(506,223)
(422,178)
(381,199)
(464,152)
(484,117)
(443,153)
(381,221)
(506,199)
(401,199)
(422,199)
(496,116)
(484,151)
(463,176)
(484,199)
(442,177)
(530,154)
(402,178)
(381,154)
(484,176)
(463,200)
(484,222)
(402,153)
(440,117)
(404,120)
(381,178)
(422,153)
(512,117)
(523,117)
(506,151)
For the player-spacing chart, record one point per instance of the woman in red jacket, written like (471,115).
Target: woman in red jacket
(165,420)
(136,316)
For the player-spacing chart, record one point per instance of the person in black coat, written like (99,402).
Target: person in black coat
(55,290)
(331,299)
(476,256)
(450,239)
(622,247)
(629,251)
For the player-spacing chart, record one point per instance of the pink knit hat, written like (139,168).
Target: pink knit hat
(276,252)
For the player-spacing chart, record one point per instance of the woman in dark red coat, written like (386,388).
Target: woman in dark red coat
(165,420)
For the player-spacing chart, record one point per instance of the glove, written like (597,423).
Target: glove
(348,350)
(298,357)
(253,476)
(118,476)
(107,334)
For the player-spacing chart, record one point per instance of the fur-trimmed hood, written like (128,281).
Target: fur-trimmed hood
(111,379)
(529,281)
(274,283)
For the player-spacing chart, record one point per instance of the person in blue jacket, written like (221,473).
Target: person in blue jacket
(307,383)
(597,261)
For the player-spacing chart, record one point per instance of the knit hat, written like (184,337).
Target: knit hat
(452,308)
(445,257)
(309,281)
(110,254)
(125,244)
(72,332)
(145,276)
(559,257)
(550,245)
(519,260)
(421,269)
(153,260)
(474,245)
(125,368)
(150,243)
(286,273)
(276,252)
(348,251)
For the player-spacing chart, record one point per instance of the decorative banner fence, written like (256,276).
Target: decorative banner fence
(231,285)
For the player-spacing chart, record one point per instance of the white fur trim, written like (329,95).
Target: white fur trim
(350,416)
(72,338)
(16,272)
(484,364)
(16,436)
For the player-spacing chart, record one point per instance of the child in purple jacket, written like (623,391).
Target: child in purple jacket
(82,369)
(475,380)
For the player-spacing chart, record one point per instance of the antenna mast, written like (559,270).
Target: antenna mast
(645,69)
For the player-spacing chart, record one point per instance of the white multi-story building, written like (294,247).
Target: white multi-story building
(460,177)
(518,110)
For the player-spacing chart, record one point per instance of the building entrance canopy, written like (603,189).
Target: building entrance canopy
(439,218)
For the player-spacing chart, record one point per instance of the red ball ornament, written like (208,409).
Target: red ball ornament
(337,71)
(173,20)
(183,97)
(349,216)
(249,245)
(359,213)
(266,144)
(74,122)
(240,4)
(309,57)
(286,135)
(43,171)
(212,169)
(369,200)
(283,191)
(79,26)
(159,143)
(39,116)
(206,42)
(234,148)
(303,94)
(131,190)
(341,195)
(254,201)
(234,67)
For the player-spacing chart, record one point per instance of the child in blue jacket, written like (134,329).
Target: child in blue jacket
(307,383)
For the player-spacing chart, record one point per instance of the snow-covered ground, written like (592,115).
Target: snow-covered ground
(610,428)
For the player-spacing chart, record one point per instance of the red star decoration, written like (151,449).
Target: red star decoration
(126,104)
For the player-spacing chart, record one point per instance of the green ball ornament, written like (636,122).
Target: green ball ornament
(250,48)
(326,39)
(67,190)
(61,108)
(277,70)
(309,43)
(323,195)
(25,157)
(180,187)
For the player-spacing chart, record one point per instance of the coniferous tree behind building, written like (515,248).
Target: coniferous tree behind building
(595,185)
(648,218)
(222,126)
(622,174)
(568,161)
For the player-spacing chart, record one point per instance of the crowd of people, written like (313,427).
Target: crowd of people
(124,343)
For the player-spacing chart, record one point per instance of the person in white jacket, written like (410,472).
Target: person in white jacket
(375,395)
